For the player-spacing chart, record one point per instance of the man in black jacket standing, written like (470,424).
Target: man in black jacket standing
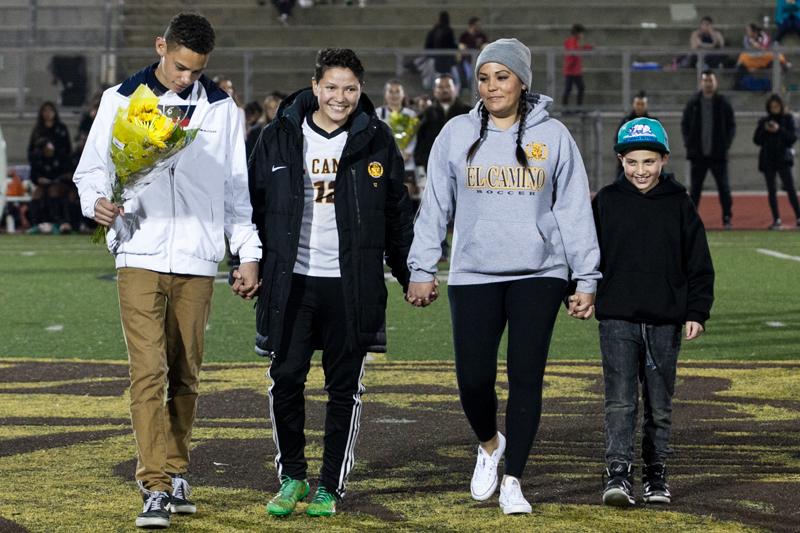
(326,183)
(708,127)
(445,106)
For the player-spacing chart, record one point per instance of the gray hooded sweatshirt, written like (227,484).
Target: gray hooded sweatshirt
(511,222)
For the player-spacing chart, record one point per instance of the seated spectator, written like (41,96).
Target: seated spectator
(755,38)
(787,18)
(49,126)
(50,173)
(757,56)
(705,38)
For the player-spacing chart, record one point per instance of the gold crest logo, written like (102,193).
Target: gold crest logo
(536,151)
(375,169)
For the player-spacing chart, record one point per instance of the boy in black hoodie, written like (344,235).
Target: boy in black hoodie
(657,276)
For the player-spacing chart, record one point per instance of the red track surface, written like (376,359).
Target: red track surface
(750,211)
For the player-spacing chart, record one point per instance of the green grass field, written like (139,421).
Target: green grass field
(58,299)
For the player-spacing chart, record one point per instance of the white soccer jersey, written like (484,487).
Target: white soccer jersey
(318,253)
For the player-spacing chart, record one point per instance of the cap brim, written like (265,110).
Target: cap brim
(624,148)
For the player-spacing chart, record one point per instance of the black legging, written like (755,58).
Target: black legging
(479,314)
(788,185)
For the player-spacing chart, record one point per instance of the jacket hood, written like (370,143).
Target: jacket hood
(538,111)
(667,186)
(297,105)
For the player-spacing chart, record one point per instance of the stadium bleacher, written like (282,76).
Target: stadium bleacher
(260,55)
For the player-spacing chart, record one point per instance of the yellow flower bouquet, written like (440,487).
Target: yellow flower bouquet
(142,139)
(404,127)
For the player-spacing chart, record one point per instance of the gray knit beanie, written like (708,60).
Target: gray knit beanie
(511,53)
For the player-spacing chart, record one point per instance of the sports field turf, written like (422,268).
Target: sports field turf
(58,299)
(67,453)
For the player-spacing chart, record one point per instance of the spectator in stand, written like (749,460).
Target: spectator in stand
(787,18)
(270,108)
(253,112)
(403,122)
(755,38)
(49,126)
(638,110)
(271,104)
(49,173)
(49,155)
(441,37)
(444,107)
(421,102)
(472,39)
(284,8)
(775,134)
(573,64)
(757,56)
(706,38)
(708,126)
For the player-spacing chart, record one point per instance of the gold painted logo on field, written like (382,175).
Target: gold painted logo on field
(536,151)
(375,169)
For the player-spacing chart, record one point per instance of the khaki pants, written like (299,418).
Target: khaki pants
(163,318)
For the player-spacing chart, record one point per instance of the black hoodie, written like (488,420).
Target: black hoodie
(374,219)
(654,255)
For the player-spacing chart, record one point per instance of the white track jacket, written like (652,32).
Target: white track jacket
(176,223)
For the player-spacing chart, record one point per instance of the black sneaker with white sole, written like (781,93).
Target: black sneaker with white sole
(618,491)
(179,501)
(155,513)
(654,484)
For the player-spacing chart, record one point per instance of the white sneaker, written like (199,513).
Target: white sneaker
(484,478)
(511,499)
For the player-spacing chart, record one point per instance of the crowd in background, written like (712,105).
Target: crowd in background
(416,120)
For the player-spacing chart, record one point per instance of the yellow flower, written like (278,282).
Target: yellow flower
(143,104)
(159,130)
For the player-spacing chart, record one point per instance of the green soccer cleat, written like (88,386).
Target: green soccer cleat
(291,492)
(323,504)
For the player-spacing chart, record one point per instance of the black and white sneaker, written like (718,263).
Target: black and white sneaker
(179,502)
(617,491)
(654,484)
(156,510)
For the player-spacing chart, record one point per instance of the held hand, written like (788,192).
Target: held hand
(421,294)
(693,330)
(581,305)
(105,212)
(245,280)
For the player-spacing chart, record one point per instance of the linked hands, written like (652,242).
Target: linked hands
(581,305)
(245,280)
(422,294)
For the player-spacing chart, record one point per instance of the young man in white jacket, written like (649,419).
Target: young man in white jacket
(167,242)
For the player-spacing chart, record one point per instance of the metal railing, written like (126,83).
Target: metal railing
(623,70)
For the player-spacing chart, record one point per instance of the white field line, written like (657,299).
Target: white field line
(779,255)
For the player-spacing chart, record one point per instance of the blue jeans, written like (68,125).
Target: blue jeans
(635,352)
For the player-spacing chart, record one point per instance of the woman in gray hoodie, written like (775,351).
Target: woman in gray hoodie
(522,227)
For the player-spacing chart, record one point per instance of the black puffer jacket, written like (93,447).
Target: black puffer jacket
(373,216)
